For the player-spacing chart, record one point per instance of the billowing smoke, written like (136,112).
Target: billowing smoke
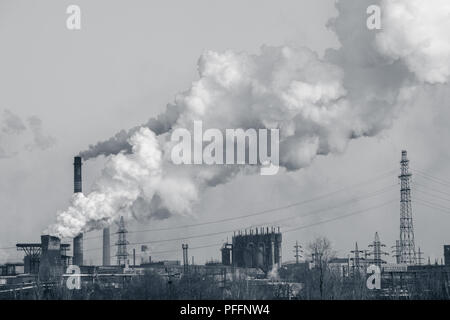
(318,104)
(417,33)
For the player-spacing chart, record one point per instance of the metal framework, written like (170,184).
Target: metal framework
(377,252)
(298,252)
(33,252)
(407,246)
(122,253)
(356,257)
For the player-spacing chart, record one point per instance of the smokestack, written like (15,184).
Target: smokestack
(78,250)
(106,247)
(77,184)
(77,188)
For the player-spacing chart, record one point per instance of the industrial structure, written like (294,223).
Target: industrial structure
(32,256)
(298,252)
(377,251)
(252,253)
(106,254)
(122,253)
(256,248)
(51,265)
(357,260)
(407,246)
(77,188)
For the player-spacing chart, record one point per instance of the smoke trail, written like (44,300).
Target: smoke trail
(319,105)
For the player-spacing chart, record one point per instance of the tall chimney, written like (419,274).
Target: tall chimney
(77,188)
(106,247)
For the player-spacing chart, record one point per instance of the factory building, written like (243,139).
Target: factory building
(256,248)
(227,251)
(447,255)
(51,263)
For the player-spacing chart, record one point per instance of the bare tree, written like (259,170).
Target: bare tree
(321,253)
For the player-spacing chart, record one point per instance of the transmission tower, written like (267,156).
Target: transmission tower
(377,252)
(298,250)
(407,246)
(356,258)
(122,254)
(396,251)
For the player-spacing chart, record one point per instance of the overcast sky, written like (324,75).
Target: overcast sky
(62,90)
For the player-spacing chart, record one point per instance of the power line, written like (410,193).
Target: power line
(342,217)
(432,189)
(264,211)
(433,205)
(290,230)
(431,178)
(370,180)
(432,195)
(7,248)
(259,224)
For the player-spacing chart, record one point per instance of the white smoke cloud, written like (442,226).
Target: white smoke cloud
(133,184)
(319,105)
(417,32)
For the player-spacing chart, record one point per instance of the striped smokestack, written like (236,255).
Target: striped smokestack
(77,187)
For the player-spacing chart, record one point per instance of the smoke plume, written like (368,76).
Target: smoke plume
(319,105)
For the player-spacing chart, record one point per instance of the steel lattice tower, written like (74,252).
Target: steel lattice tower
(356,258)
(122,254)
(407,246)
(377,251)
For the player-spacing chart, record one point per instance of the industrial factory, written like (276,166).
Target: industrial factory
(254,254)
(259,248)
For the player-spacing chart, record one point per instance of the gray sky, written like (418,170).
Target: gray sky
(130,59)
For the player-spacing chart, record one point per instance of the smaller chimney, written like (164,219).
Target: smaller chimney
(106,247)
(78,250)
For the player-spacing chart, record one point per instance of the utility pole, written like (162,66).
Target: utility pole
(298,250)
